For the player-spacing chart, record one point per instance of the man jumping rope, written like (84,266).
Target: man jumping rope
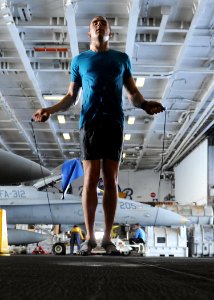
(102,73)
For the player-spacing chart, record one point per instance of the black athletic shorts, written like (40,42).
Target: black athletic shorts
(101,139)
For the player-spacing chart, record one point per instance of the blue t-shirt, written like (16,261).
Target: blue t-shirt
(101,76)
(140,233)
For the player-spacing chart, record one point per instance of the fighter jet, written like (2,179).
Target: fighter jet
(26,205)
(16,169)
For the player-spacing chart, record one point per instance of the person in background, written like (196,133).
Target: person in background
(101,72)
(75,237)
(139,236)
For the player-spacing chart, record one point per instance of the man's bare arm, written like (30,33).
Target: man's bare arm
(42,114)
(133,93)
(137,99)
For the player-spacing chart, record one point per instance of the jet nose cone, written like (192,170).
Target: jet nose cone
(169,218)
(184,220)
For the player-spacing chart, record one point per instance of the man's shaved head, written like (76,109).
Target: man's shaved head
(99,18)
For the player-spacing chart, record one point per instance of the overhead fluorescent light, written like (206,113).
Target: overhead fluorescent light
(61,119)
(127,137)
(6,15)
(140,81)
(53,97)
(124,155)
(131,120)
(3,5)
(66,136)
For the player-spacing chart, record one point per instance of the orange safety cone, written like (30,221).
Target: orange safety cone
(4,248)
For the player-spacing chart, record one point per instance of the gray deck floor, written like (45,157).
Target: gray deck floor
(105,277)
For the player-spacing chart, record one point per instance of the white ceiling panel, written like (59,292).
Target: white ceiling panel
(170,44)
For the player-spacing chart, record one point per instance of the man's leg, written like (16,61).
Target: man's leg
(110,175)
(72,244)
(140,240)
(89,195)
(131,240)
(78,241)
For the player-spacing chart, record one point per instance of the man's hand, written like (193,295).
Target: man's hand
(41,115)
(152,107)
(137,99)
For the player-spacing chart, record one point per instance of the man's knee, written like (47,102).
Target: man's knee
(91,174)
(91,183)
(90,180)
(110,184)
(110,173)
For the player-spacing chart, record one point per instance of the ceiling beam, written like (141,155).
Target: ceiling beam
(18,125)
(70,8)
(165,11)
(134,11)
(4,145)
(132,26)
(14,34)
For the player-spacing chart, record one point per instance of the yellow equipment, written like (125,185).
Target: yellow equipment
(4,248)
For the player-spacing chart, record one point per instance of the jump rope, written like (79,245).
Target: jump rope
(162,162)
(40,162)
(162,153)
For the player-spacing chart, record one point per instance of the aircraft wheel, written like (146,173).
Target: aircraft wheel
(83,253)
(59,249)
(126,253)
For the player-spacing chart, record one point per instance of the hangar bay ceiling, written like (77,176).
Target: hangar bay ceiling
(170,44)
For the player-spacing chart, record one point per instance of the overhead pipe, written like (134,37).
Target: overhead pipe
(176,140)
(188,122)
(207,112)
(190,135)
(177,65)
(44,49)
(196,141)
